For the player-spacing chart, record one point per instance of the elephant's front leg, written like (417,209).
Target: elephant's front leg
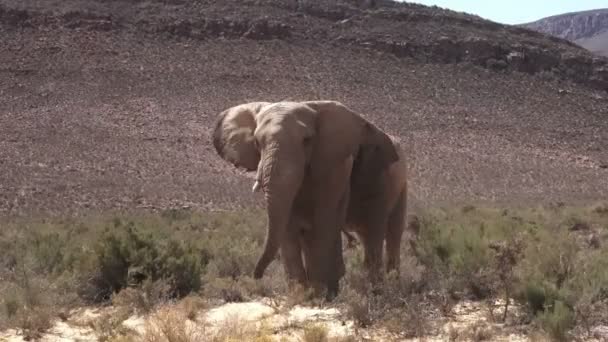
(323,243)
(322,249)
(291,253)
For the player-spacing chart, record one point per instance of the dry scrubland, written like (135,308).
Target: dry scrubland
(550,263)
(106,107)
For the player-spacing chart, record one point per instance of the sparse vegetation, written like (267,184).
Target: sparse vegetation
(48,267)
(107,106)
(315,333)
(170,325)
(531,257)
(108,327)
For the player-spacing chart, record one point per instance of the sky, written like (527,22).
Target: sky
(516,11)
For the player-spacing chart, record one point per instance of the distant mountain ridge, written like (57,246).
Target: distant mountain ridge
(588,29)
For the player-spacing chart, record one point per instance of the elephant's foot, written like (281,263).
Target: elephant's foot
(324,290)
(331,295)
(333,289)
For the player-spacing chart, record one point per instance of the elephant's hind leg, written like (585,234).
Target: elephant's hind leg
(396,225)
(372,244)
(372,230)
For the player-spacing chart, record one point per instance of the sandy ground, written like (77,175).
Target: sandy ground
(468,321)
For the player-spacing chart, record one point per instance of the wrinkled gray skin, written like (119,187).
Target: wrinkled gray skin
(377,208)
(303,153)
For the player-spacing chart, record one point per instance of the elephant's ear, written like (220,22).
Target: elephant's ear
(376,153)
(233,135)
(341,132)
(370,162)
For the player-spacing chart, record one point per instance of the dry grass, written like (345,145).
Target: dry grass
(478,332)
(171,325)
(315,333)
(108,327)
(163,101)
(192,306)
(532,257)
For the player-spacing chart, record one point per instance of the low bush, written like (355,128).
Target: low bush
(128,256)
(135,260)
(557,320)
(537,256)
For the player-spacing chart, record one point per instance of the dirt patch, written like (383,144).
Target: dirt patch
(119,119)
(280,322)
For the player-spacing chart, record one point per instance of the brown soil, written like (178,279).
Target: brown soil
(108,104)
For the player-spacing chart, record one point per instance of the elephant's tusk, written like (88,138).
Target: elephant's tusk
(256,186)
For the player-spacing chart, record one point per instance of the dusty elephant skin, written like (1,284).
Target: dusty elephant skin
(303,153)
(376,209)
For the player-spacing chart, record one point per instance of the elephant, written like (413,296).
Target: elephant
(377,208)
(303,153)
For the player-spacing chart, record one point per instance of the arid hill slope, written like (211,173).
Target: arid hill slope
(589,29)
(108,104)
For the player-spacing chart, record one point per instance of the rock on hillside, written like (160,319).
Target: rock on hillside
(108,104)
(425,33)
(588,29)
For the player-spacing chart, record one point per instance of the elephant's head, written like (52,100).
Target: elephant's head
(233,135)
(284,141)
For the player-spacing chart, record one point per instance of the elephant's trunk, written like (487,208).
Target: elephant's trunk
(280,176)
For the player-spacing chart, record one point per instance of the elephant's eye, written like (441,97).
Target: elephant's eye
(307,140)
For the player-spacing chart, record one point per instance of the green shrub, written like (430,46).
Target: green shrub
(231,256)
(113,260)
(130,256)
(49,251)
(459,251)
(548,263)
(535,298)
(182,266)
(557,321)
(11,306)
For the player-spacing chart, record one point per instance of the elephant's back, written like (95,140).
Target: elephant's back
(397,172)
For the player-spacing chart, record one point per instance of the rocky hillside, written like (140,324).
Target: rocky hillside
(108,104)
(588,29)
